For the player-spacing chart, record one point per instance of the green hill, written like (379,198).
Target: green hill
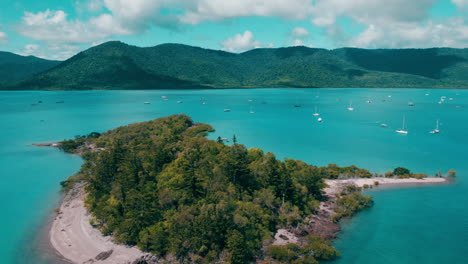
(163,186)
(14,67)
(115,65)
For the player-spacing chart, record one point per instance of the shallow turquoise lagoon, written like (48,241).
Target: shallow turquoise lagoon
(407,225)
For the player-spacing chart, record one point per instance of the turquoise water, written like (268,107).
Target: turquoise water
(409,225)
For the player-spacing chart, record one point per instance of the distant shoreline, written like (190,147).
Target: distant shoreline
(228,88)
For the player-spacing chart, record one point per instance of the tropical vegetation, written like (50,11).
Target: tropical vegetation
(163,186)
(115,65)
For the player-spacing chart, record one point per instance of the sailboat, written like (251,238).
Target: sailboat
(316,113)
(251,111)
(350,108)
(436,130)
(402,130)
(319,119)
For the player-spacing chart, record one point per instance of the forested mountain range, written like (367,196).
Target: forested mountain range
(116,65)
(15,67)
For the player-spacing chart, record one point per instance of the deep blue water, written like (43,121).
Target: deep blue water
(407,225)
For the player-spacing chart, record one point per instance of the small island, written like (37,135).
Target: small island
(161,192)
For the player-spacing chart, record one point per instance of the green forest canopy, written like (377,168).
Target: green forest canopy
(116,65)
(163,186)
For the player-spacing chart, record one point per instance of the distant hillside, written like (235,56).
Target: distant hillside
(14,67)
(115,65)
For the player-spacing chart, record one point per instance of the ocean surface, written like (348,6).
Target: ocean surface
(407,225)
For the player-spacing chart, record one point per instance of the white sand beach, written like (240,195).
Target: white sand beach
(335,186)
(73,237)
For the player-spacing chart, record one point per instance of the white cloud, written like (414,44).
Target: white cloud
(368,37)
(3,37)
(241,43)
(298,36)
(299,32)
(54,27)
(297,42)
(395,23)
(390,24)
(449,33)
(460,3)
(325,12)
(108,25)
(94,5)
(213,10)
(51,52)
(30,49)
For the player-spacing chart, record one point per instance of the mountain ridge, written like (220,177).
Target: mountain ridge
(117,65)
(15,67)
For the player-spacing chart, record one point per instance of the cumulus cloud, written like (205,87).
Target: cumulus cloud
(449,33)
(53,26)
(94,5)
(396,23)
(3,37)
(213,10)
(30,49)
(379,18)
(241,42)
(299,32)
(325,12)
(298,36)
(460,3)
(51,52)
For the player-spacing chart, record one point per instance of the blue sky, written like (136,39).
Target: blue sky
(58,29)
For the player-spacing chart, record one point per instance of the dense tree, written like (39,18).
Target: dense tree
(401,171)
(163,186)
(115,65)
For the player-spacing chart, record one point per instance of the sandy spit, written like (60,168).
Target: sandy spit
(73,237)
(335,186)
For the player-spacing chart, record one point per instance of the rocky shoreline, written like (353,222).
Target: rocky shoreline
(74,238)
(322,224)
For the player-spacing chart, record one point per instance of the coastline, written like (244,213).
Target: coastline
(335,186)
(322,223)
(72,236)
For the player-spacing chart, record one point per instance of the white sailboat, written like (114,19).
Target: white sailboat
(402,130)
(436,130)
(350,108)
(315,113)
(251,111)
(319,119)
